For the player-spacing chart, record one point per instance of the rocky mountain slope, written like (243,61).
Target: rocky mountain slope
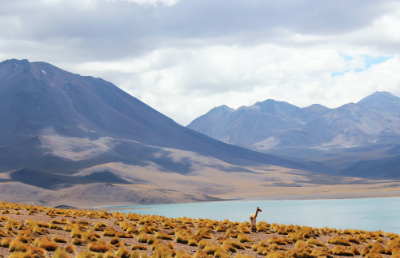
(313,133)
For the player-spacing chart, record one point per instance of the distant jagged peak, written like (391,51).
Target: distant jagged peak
(223,108)
(316,107)
(377,97)
(273,102)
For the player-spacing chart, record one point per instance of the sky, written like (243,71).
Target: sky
(184,57)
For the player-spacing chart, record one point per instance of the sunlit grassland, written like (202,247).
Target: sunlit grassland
(35,231)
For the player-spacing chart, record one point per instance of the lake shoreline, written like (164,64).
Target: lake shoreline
(361,213)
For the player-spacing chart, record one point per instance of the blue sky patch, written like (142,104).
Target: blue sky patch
(368,62)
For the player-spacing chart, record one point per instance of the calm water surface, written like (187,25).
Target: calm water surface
(367,214)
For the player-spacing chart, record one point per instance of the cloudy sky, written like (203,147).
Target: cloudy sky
(184,57)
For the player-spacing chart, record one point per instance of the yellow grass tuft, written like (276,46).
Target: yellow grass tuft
(45,243)
(182,239)
(337,240)
(301,250)
(142,238)
(70,249)
(18,246)
(243,238)
(85,254)
(163,251)
(192,242)
(59,239)
(182,254)
(313,241)
(277,254)
(301,234)
(393,246)
(139,247)
(342,251)
(151,240)
(5,242)
(161,235)
(60,253)
(203,243)
(200,254)
(353,240)
(109,232)
(100,246)
(122,251)
(280,241)
(355,250)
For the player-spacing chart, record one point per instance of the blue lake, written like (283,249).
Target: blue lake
(368,214)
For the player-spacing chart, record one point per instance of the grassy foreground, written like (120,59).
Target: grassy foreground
(35,231)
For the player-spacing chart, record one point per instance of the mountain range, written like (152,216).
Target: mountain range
(67,139)
(60,131)
(338,137)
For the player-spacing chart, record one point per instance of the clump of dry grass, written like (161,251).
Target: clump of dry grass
(60,253)
(378,248)
(341,250)
(313,241)
(163,251)
(59,239)
(232,233)
(85,254)
(200,254)
(353,240)
(70,249)
(355,250)
(109,232)
(337,240)
(182,254)
(18,246)
(100,246)
(262,226)
(204,232)
(100,226)
(62,221)
(77,241)
(280,241)
(235,244)
(122,251)
(301,234)
(393,246)
(182,239)
(321,252)
(45,243)
(75,232)
(5,242)
(277,254)
(243,238)
(193,242)
(301,250)
(161,235)
(139,247)
(56,226)
(142,238)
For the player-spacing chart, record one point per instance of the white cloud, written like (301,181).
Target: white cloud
(186,83)
(196,54)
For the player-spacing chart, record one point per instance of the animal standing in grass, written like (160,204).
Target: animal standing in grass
(253,220)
